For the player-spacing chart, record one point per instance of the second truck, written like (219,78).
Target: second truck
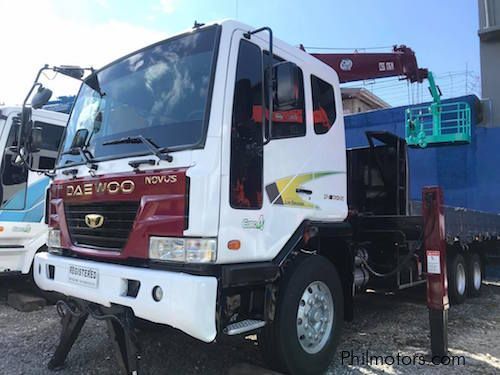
(23,231)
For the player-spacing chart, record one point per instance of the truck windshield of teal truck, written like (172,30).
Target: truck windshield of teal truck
(161,93)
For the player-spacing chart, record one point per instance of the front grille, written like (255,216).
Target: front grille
(112,235)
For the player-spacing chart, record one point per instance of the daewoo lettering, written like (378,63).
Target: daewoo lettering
(112,187)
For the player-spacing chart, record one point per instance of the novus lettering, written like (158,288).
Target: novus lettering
(162,179)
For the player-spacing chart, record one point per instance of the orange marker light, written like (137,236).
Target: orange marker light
(234,245)
(1,229)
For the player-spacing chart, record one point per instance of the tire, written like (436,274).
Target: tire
(474,275)
(312,278)
(457,279)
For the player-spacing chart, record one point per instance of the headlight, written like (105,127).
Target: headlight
(54,239)
(189,250)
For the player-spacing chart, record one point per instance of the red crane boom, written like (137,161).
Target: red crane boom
(361,66)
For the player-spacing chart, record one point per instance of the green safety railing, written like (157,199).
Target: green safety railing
(438,123)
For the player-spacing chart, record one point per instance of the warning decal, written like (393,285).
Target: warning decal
(433,264)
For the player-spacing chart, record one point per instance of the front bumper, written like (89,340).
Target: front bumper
(188,303)
(12,259)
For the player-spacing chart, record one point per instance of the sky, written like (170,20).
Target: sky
(95,32)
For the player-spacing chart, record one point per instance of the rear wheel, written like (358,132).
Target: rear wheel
(457,279)
(308,321)
(475,274)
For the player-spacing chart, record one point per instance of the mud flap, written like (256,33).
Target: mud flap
(72,319)
(121,332)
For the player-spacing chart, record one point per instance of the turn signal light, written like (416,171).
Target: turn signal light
(234,245)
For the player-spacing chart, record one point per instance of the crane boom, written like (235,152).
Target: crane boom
(361,66)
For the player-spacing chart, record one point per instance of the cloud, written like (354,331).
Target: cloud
(103,3)
(47,37)
(167,6)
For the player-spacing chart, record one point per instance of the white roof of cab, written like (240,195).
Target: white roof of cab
(52,117)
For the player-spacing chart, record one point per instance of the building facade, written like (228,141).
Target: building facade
(358,100)
(489,36)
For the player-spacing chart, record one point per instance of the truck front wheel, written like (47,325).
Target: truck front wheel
(308,321)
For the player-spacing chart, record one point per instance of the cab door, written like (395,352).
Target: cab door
(13,178)
(270,187)
(242,205)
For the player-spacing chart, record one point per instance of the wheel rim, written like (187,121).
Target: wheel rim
(460,278)
(476,273)
(315,317)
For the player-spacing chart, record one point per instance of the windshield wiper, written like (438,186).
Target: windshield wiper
(85,154)
(160,152)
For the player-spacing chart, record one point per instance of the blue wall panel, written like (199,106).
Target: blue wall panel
(469,174)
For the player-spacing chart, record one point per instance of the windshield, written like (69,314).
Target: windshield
(161,93)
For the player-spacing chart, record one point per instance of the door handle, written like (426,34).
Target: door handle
(304,191)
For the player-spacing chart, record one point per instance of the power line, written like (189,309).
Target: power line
(455,80)
(442,85)
(348,48)
(399,92)
(403,87)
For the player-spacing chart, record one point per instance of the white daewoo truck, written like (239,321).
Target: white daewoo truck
(205,186)
(23,231)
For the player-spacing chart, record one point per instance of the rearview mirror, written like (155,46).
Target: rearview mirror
(18,159)
(80,138)
(286,87)
(35,139)
(41,97)
(24,121)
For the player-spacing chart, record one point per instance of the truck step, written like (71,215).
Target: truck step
(243,326)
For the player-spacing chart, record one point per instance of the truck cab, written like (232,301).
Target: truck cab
(177,198)
(22,228)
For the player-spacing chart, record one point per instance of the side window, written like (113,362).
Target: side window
(51,139)
(13,177)
(246,168)
(289,121)
(324,111)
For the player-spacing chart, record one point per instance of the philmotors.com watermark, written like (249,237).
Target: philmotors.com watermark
(350,358)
